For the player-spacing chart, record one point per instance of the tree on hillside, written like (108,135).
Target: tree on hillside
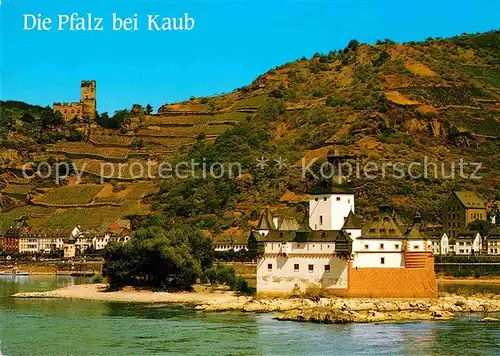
(51,118)
(149,109)
(482,226)
(28,118)
(353,44)
(103,118)
(119,119)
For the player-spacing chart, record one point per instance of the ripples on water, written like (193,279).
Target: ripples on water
(63,327)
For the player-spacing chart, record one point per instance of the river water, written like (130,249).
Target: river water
(63,327)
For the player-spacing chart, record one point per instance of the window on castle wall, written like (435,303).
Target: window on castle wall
(316,199)
(366,247)
(269,267)
(324,199)
(338,198)
(296,267)
(311,268)
(327,268)
(321,219)
(382,260)
(381,246)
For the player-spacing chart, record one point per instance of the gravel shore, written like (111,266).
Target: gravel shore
(99,292)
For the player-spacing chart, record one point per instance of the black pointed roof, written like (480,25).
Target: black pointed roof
(352,222)
(289,223)
(266,221)
(381,226)
(305,224)
(337,183)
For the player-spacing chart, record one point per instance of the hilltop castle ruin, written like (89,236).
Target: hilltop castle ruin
(85,108)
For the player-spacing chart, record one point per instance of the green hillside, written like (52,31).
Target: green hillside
(385,103)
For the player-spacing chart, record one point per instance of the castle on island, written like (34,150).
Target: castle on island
(332,250)
(85,108)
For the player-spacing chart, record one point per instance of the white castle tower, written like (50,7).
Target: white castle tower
(330,207)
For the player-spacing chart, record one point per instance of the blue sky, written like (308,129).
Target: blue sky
(231,44)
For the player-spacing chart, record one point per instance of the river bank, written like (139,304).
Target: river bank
(100,292)
(326,310)
(492,280)
(54,267)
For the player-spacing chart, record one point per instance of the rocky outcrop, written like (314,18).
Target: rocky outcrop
(322,310)
(326,315)
(447,303)
(339,310)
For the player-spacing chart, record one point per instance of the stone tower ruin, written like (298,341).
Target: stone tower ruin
(86,107)
(88,98)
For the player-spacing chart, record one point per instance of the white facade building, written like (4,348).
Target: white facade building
(232,239)
(28,244)
(329,211)
(331,242)
(494,246)
(382,243)
(440,243)
(99,242)
(383,253)
(315,252)
(221,246)
(493,242)
(42,241)
(298,258)
(468,243)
